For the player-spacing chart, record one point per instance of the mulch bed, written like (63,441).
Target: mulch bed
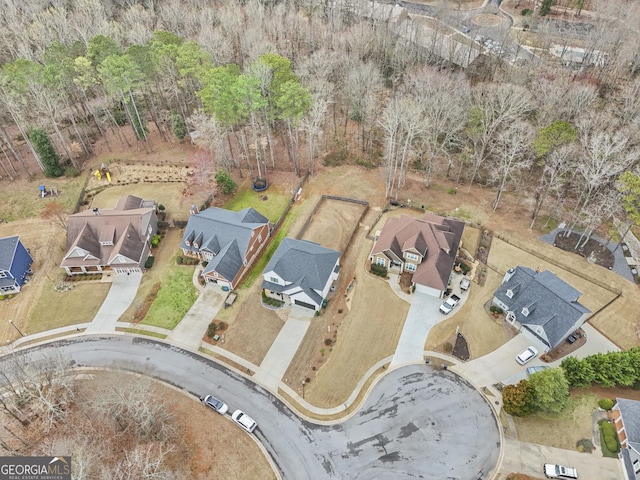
(461,348)
(593,251)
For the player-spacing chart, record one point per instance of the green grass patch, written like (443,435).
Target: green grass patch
(174,299)
(608,439)
(260,265)
(272,207)
(139,331)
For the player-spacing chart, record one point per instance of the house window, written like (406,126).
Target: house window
(412,256)
(636,467)
(3,275)
(260,237)
(510,293)
(381,262)
(273,280)
(525,311)
(410,267)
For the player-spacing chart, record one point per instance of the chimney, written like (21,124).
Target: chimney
(193,210)
(96,211)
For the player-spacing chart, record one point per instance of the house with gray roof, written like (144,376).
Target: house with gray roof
(228,241)
(15,265)
(626,419)
(111,239)
(541,303)
(301,273)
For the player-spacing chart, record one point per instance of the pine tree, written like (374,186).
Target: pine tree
(46,152)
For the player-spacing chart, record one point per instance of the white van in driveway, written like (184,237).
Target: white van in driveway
(529,354)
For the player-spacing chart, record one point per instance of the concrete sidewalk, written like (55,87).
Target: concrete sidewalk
(122,292)
(277,360)
(189,332)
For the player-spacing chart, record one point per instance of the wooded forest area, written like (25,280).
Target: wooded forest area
(287,84)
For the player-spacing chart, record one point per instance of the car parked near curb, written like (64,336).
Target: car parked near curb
(212,402)
(244,420)
(465,283)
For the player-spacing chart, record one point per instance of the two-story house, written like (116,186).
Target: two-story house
(111,239)
(541,303)
(301,273)
(427,247)
(228,241)
(626,419)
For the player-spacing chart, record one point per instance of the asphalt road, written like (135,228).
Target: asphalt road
(417,422)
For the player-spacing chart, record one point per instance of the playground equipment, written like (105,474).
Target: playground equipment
(260,184)
(103,171)
(51,193)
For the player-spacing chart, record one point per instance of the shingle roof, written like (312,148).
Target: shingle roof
(129,202)
(552,303)
(225,233)
(439,236)
(125,227)
(303,263)
(630,411)
(8,246)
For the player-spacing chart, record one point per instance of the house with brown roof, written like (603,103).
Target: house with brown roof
(426,247)
(626,419)
(117,239)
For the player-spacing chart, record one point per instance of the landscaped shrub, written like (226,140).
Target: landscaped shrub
(211,330)
(526,12)
(464,267)
(155,241)
(2,297)
(496,309)
(379,270)
(584,445)
(606,403)
(448,348)
(161,207)
(328,341)
(611,443)
(149,262)
(271,301)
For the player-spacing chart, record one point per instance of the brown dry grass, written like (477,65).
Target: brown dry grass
(483,334)
(253,328)
(168,194)
(45,241)
(333,223)
(562,431)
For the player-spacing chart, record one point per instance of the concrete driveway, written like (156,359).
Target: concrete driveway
(122,292)
(189,332)
(423,314)
(277,360)
(528,458)
(498,365)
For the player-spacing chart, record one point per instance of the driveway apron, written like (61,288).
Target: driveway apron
(122,292)
(277,360)
(189,332)
(422,316)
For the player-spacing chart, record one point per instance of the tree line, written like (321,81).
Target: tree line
(259,80)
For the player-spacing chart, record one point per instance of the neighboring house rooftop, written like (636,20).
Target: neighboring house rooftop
(302,261)
(551,303)
(630,411)
(436,237)
(103,234)
(630,414)
(224,233)
(8,246)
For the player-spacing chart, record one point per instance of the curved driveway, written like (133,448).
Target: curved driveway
(416,423)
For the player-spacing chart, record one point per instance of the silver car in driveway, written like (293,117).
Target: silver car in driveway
(212,402)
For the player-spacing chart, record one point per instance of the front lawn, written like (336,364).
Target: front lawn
(563,430)
(269,203)
(174,299)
